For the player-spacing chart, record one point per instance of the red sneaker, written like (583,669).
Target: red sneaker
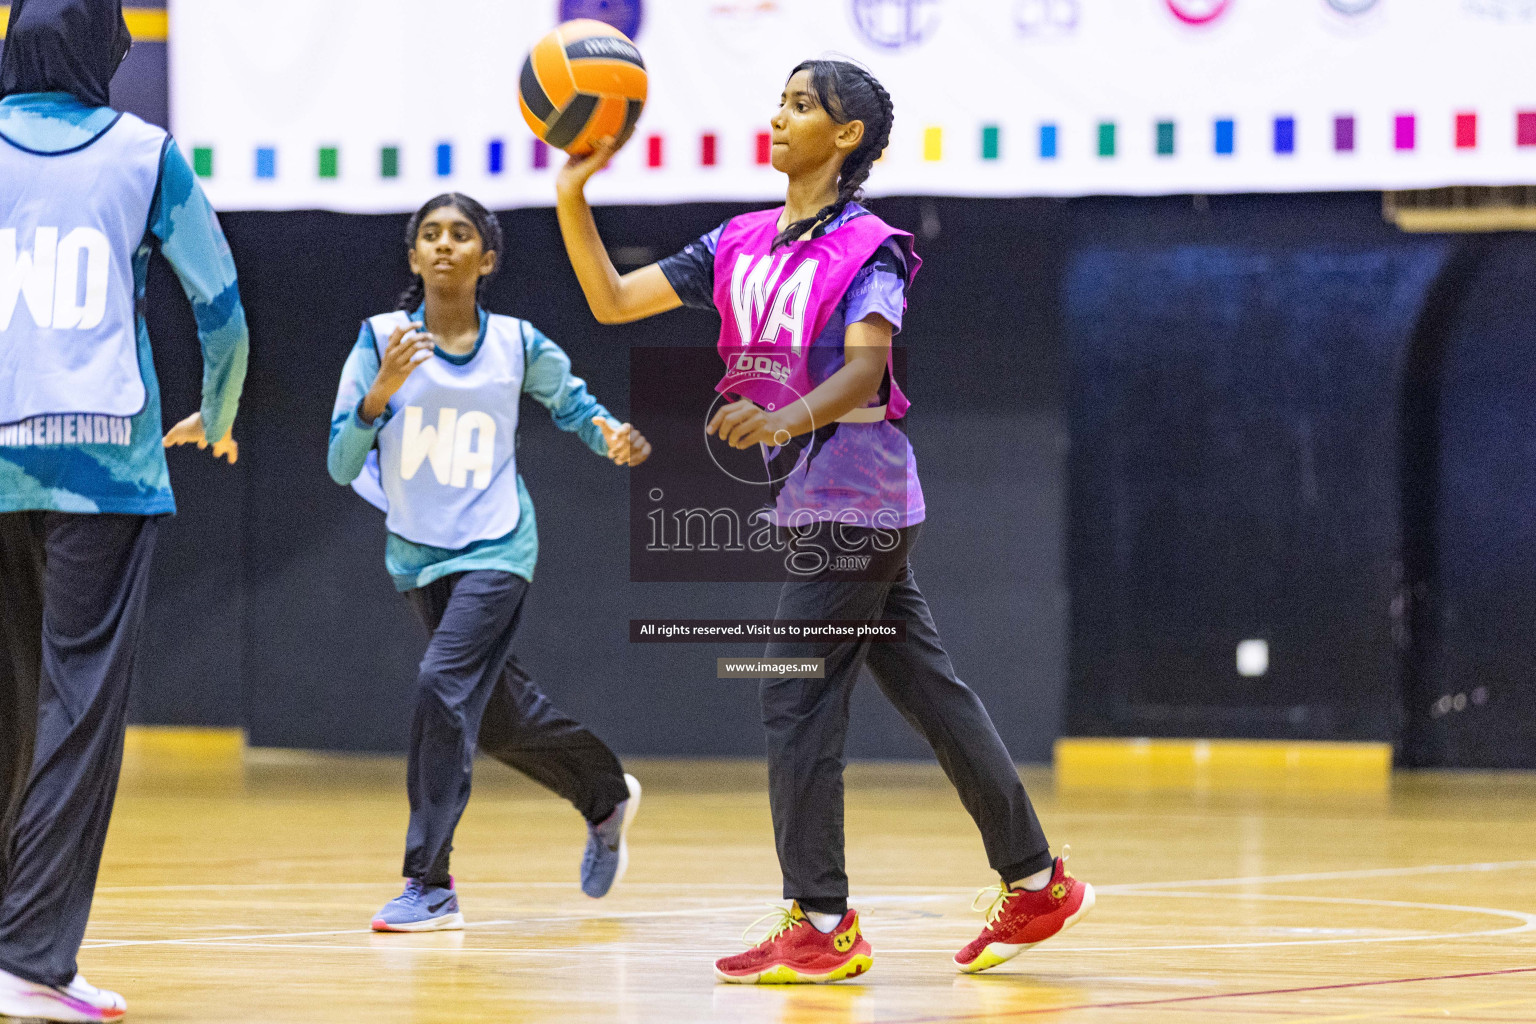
(796,952)
(1017,919)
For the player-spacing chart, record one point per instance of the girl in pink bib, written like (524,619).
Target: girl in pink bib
(809,296)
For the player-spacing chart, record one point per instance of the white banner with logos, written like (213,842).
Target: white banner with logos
(374,105)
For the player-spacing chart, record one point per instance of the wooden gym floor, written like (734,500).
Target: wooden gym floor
(241,893)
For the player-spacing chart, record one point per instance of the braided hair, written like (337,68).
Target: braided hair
(848,93)
(490,241)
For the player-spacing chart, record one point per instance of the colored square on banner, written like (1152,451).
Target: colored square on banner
(990,145)
(1525,128)
(1285,135)
(1107,138)
(444,159)
(389,162)
(1165,138)
(1404,132)
(1344,134)
(495,156)
(202,161)
(653,151)
(1226,136)
(708,149)
(933,144)
(1466,131)
(540,154)
(764,148)
(330,162)
(1048,142)
(266,162)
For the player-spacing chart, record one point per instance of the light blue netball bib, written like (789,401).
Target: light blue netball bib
(69,226)
(446,466)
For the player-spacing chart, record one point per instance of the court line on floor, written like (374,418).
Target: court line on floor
(1147,888)
(564,918)
(1319,876)
(1327,876)
(1174,1000)
(1527,923)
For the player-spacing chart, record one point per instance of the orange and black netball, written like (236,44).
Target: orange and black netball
(581,82)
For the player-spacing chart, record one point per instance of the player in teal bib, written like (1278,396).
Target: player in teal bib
(86,195)
(425,428)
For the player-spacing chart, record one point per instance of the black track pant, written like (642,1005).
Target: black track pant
(470,686)
(807,725)
(72,595)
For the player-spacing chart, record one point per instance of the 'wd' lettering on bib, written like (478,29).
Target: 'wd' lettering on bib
(69,225)
(446,462)
(774,303)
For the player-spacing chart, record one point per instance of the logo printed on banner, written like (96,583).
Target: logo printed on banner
(1036,18)
(1198,12)
(48,278)
(1352,7)
(738,24)
(458,447)
(624,15)
(1503,10)
(896,24)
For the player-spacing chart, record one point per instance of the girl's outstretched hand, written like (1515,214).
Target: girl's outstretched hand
(578,170)
(190,431)
(626,445)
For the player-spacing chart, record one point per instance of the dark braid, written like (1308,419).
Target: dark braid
(490,241)
(848,93)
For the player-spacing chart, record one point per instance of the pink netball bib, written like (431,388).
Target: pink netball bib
(774,303)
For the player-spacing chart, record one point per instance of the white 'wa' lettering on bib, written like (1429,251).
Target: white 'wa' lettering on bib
(69,225)
(446,471)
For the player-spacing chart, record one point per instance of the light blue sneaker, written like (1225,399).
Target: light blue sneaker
(607,855)
(421,908)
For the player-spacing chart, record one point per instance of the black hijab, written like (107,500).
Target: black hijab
(72,46)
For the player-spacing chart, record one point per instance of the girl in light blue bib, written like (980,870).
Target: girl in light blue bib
(425,428)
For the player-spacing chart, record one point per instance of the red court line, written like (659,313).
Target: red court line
(1009,1014)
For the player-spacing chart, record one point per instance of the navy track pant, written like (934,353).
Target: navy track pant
(806,721)
(72,596)
(471,693)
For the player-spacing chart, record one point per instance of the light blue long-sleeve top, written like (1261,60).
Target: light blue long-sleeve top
(547,379)
(134,479)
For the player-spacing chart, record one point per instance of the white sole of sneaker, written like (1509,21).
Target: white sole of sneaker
(39,1002)
(630,809)
(1001,952)
(447,923)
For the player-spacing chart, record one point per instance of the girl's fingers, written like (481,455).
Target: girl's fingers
(725,413)
(742,430)
(727,419)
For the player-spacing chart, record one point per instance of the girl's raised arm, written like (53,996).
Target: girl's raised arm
(614,299)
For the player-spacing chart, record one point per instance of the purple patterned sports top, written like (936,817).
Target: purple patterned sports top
(784,314)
